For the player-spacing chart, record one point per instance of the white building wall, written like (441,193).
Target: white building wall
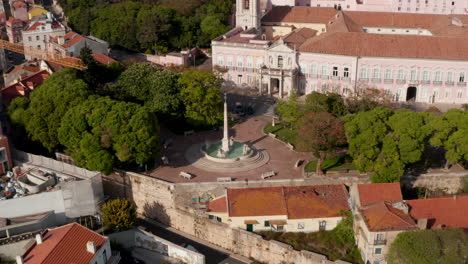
(103,254)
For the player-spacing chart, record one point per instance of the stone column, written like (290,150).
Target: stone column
(225,141)
(280,84)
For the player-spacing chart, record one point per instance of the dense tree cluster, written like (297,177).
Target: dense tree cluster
(441,246)
(387,142)
(150,25)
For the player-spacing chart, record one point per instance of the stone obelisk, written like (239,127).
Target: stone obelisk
(225,141)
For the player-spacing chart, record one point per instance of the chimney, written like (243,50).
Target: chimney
(38,239)
(19,260)
(91,247)
(422,223)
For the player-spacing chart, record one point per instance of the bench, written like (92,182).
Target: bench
(188,133)
(224,179)
(186,175)
(268,174)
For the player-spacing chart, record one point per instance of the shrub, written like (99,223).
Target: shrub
(119,214)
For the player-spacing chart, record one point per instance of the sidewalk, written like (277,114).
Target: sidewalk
(230,254)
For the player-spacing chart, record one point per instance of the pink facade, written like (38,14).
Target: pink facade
(20,10)
(14,28)
(424,59)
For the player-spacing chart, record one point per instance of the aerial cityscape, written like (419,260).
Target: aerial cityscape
(234,131)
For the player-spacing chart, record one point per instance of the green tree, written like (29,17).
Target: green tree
(100,132)
(289,110)
(201,97)
(154,26)
(213,26)
(48,104)
(158,89)
(331,103)
(321,134)
(438,246)
(119,214)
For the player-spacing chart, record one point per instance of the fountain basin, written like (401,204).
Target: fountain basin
(236,152)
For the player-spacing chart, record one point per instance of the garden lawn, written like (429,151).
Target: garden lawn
(332,164)
(282,133)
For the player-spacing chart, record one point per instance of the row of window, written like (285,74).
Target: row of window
(388,74)
(30,38)
(278,61)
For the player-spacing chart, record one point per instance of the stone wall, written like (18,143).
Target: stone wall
(155,199)
(449,183)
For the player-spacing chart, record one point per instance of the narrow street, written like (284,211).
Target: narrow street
(212,255)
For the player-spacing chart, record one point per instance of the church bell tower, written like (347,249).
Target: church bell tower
(248,13)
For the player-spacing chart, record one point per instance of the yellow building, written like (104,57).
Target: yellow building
(36,11)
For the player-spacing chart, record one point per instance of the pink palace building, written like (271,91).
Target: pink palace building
(412,57)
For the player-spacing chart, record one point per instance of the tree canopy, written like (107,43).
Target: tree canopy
(202,98)
(331,103)
(100,132)
(321,134)
(439,246)
(289,110)
(119,214)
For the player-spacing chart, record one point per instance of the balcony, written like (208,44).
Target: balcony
(324,77)
(378,242)
(312,75)
(376,80)
(437,82)
(363,79)
(449,83)
(461,83)
(425,82)
(250,69)
(400,81)
(239,69)
(388,81)
(335,77)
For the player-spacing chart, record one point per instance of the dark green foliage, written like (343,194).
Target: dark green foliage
(439,246)
(119,214)
(289,110)
(150,26)
(331,103)
(96,75)
(48,104)
(100,132)
(282,133)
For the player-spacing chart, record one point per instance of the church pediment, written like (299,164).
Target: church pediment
(280,47)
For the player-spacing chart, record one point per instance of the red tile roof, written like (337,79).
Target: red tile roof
(297,14)
(296,202)
(384,217)
(379,192)
(316,201)
(444,211)
(24,86)
(392,46)
(25,68)
(256,201)
(218,205)
(299,36)
(66,244)
(35,26)
(104,59)
(71,39)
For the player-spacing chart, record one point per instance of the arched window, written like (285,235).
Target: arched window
(246,4)
(280,61)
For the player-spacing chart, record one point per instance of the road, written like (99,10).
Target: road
(212,255)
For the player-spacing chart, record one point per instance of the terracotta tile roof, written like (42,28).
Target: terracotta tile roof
(35,26)
(296,14)
(316,201)
(218,205)
(299,36)
(295,202)
(13,20)
(379,192)
(54,66)
(256,201)
(104,59)
(342,23)
(447,211)
(66,244)
(25,68)
(383,216)
(391,46)
(71,39)
(24,86)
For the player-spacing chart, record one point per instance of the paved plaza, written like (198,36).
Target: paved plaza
(281,158)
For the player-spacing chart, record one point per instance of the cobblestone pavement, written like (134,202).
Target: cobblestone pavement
(282,159)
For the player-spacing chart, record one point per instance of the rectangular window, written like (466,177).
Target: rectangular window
(280,228)
(363,74)
(449,76)
(29,38)
(376,73)
(229,61)
(259,62)
(211,217)
(380,237)
(462,77)
(37,37)
(346,72)
(240,62)
(218,219)
(280,61)
(378,251)
(322,225)
(249,79)
(414,75)
(303,68)
(239,79)
(425,75)
(335,71)
(459,94)
(438,76)
(324,70)
(220,61)
(300,225)
(401,74)
(388,74)
(249,62)
(436,93)
(313,69)
(267,223)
